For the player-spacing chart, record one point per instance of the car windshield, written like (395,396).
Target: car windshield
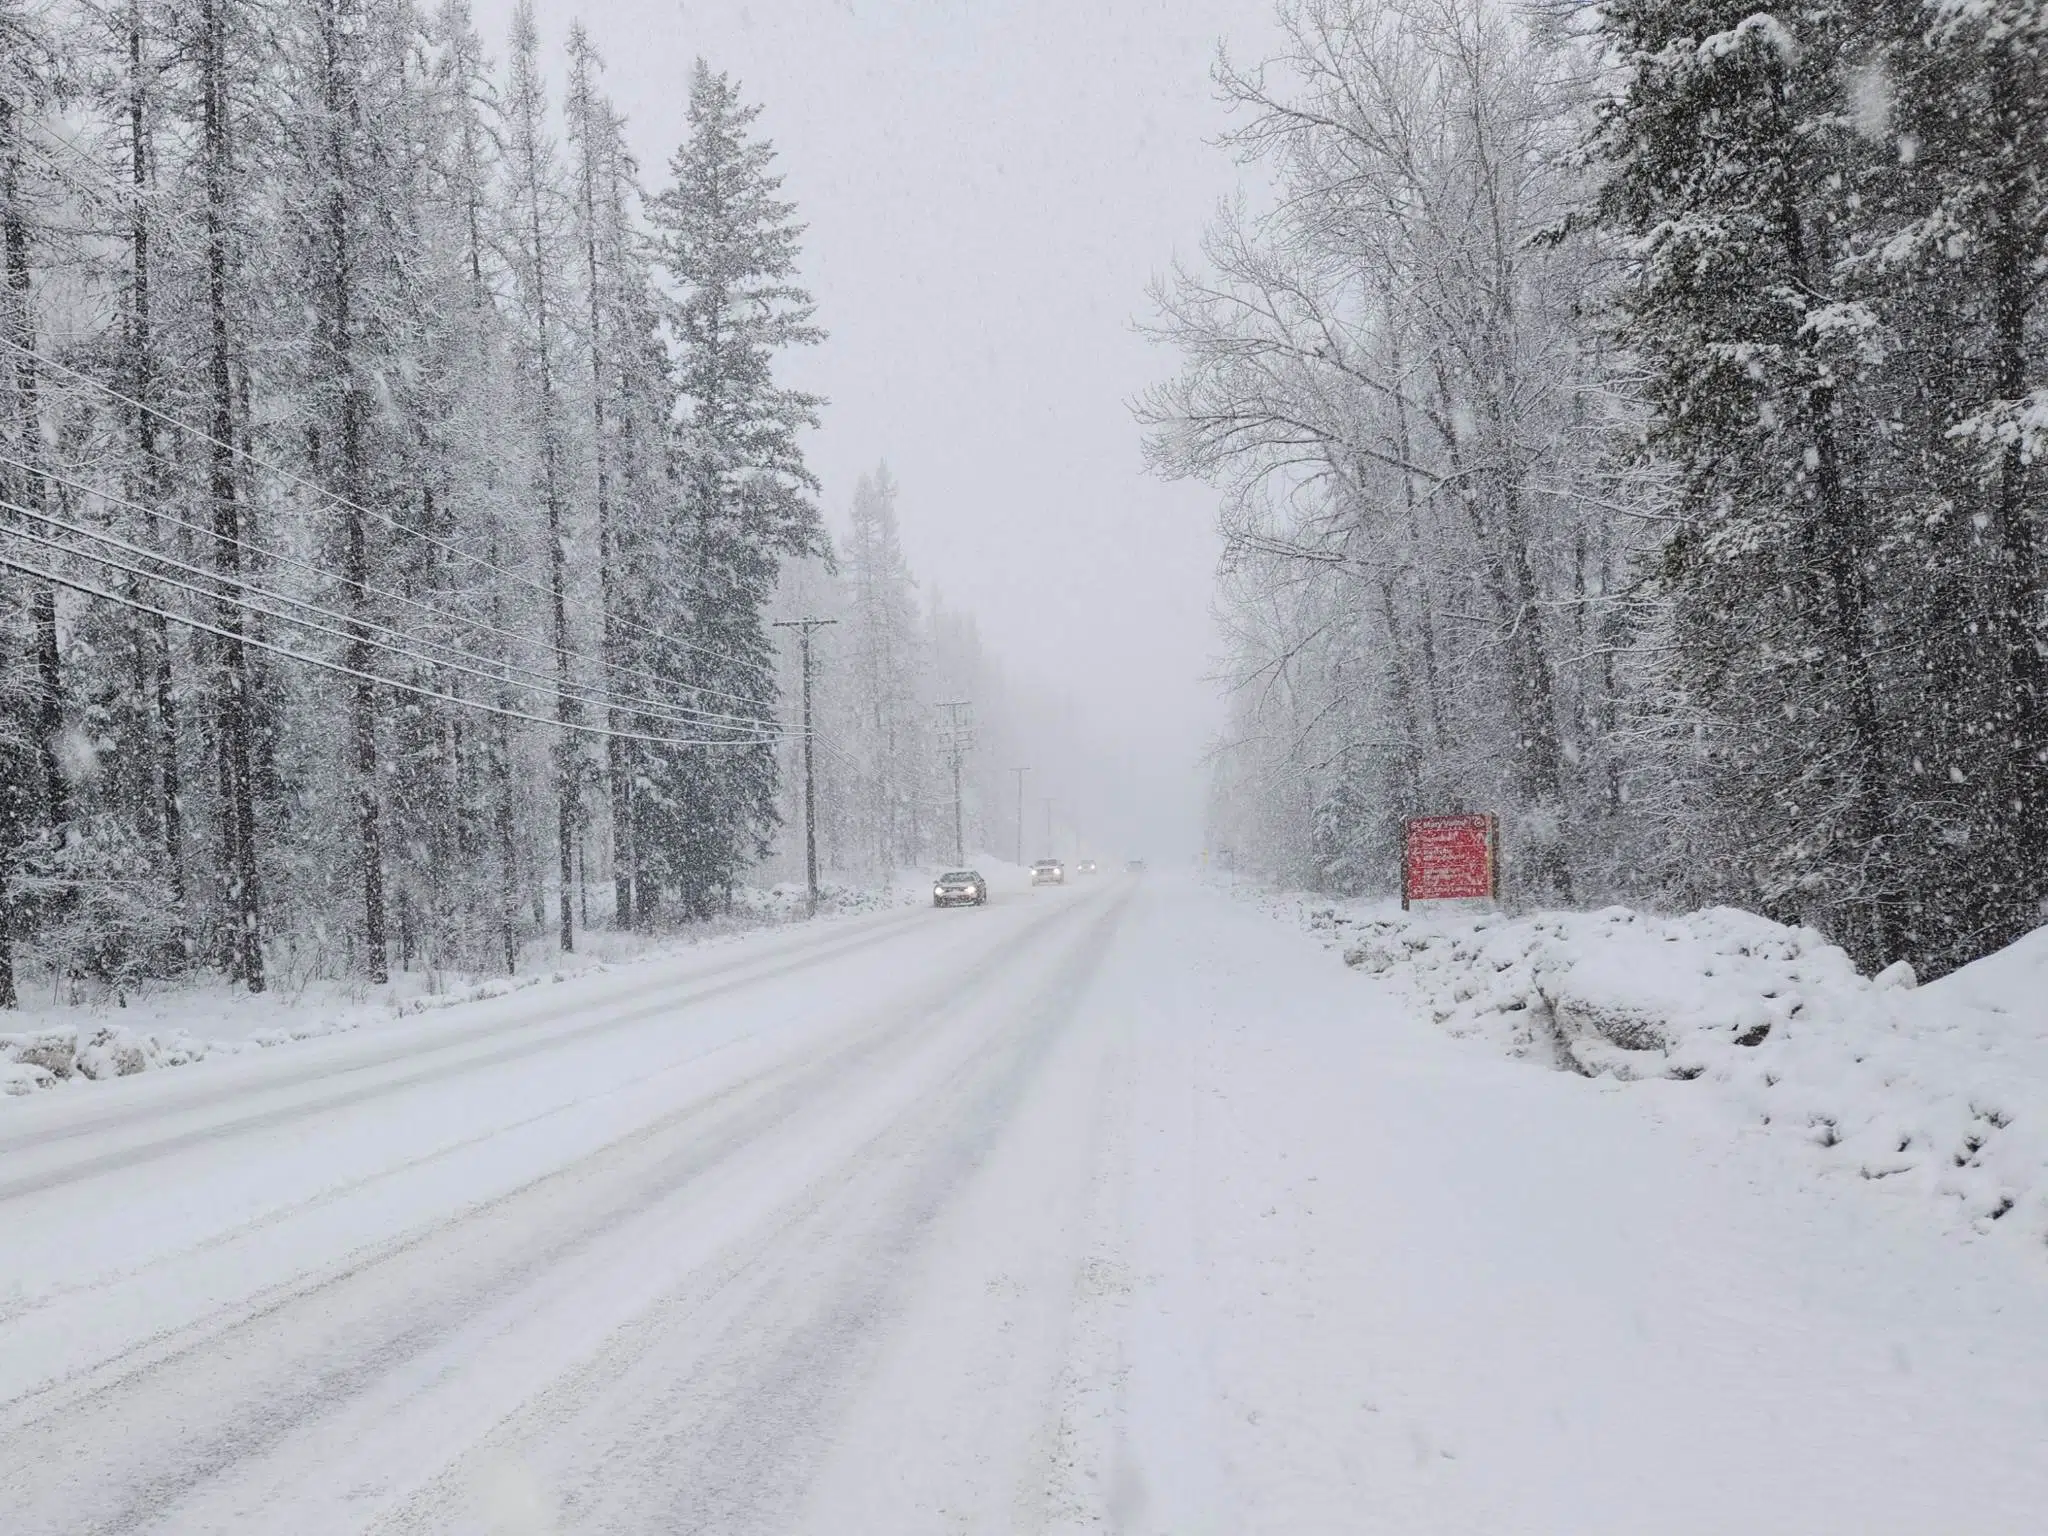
(959,877)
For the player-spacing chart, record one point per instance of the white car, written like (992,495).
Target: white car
(1048,872)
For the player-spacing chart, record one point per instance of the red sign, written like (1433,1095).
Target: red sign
(1445,857)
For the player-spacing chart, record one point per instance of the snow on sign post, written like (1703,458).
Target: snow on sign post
(1446,857)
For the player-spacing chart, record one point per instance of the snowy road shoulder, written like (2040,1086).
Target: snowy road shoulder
(131,1031)
(1438,1290)
(109,1051)
(1933,1096)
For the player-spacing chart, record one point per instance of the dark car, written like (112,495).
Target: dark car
(960,888)
(1136,866)
(1048,872)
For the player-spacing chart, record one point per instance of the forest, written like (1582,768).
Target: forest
(397,491)
(1630,420)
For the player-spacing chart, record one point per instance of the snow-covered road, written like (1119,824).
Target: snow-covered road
(1115,1207)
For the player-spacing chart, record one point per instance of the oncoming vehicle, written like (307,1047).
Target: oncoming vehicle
(1086,867)
(960,888)
(1048,872)
(1136,866)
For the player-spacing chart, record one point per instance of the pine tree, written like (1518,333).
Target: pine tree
(889,739)
(620,338)
(29,483)
(335,139)
(727,245)
(26,63)
(1834,294)
(1953,120)
(474,443)
(536,215)
(151,482)
(234,697)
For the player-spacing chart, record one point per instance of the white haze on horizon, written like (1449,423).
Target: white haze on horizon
(989,188)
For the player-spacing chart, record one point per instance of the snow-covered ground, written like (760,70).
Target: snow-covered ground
(63,1039)
(1936,1094)
(1111,1207)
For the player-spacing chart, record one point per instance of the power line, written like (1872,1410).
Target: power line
(307,624)
(280,557)
(491,668)
(323,664)
(382,517)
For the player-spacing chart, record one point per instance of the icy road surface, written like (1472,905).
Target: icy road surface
(1115,1207)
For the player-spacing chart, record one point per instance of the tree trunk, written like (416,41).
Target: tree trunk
(1501,536)
(143,370)
(2016,610)
(1839,530)
(239,802)
(48,710)
(583,106)
(565,709)
(343,120)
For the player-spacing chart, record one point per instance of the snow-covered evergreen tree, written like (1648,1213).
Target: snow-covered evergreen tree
(726,245)
(1836,262)
(360,515)
(889,733)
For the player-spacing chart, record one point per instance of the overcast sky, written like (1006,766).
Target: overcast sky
(990,185)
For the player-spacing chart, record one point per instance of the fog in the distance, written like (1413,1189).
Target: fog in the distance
(989,187)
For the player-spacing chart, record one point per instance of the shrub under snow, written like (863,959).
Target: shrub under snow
(1939,1090)
(176,1023)
(39,1058)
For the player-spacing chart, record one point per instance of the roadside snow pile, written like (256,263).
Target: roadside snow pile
(1937,1091)
(90,1052)
(40,1058)
(173,1024)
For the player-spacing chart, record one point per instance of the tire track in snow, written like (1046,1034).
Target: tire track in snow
(333,1194)
(232,1389)
(711,1411)
(554,1036)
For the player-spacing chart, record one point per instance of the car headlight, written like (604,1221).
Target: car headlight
(938,890)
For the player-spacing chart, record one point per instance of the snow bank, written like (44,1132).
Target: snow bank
(188,1024)
(173,1024)
(1937,1092)
(40,1058)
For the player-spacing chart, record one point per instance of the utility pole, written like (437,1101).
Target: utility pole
(956,745)
(804,628)
(1020,772)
